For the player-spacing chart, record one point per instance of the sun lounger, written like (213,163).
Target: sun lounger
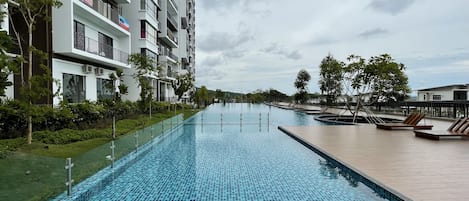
(459,128)
(410,122)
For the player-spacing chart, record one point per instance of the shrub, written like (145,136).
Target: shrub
(66,136)
(12,119)
(9,145)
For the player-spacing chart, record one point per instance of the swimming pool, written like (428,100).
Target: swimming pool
(214,156)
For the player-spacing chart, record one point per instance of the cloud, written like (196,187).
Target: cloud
(218,4)
(218,41)
(392,7)
(373,32)
(234,54)
(275,49)
(322,41)
(209,73)
(212,61)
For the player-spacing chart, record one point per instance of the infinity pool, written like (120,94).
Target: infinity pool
(228,152)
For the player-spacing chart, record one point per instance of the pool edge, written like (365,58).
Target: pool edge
(378,187)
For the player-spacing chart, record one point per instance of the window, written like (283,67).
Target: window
(147,31)
(79,32)
(105,45)
(105,8)
(436,97)
(150,7)
(74,88)
(104,89)
(460,95)
(151,55)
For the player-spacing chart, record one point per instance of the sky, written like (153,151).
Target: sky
(245,45)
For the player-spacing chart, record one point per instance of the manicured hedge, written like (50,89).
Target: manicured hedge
(86,115)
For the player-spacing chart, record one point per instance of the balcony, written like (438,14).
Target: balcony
(174,4)
(97,12)
(173,22)
(94,47)
(167,52)
(171,36)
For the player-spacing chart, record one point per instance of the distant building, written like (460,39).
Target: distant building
(456,92)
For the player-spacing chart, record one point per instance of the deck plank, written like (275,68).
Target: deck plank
(419,169)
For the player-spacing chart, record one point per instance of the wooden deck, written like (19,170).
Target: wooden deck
(412,167)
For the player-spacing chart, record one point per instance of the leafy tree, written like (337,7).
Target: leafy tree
(201,96)
(301,84)
(275,95)
(7,65)
(219,94)
(392,85)
(379,79)
(183,84)
(143,66)
(330,81)
(35,86)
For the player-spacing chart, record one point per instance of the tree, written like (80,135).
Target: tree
(7,64)
(32,12)
(201,96)
(219,94)
(392,85)
(330,78)
(379,79)
(143,66)
(183,84)
(301,84)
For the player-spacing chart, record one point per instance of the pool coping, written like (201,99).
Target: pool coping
(378,187)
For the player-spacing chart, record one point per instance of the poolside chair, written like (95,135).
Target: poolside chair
(410,122)
(459,128)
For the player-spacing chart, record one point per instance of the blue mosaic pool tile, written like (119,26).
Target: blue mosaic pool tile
(208,163)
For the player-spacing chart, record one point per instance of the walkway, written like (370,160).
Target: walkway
(416,168)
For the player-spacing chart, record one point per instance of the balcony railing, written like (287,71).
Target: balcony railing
(173,20)
(105,9)
(94,47)
(167,52)
(174,3)
(171,36)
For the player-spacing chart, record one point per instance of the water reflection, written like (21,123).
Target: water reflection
(330,170)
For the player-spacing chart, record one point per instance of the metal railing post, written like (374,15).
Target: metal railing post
(221,122)
(68,167)
(136,141)
(240,122)
(112,158)
(268,122)
(260,119)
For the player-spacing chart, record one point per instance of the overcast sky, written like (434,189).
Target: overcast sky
(244,45)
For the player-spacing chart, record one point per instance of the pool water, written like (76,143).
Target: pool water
(225,159)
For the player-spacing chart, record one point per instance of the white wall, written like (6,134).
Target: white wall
(59,67)
(446,95)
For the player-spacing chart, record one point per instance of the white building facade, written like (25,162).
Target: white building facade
(457,92)
(90,41)
(161,31)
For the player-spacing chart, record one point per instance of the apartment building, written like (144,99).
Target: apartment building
(186,50)
(87,40)
(161,31)
(90,40)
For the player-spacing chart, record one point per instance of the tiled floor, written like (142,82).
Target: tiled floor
(417,168)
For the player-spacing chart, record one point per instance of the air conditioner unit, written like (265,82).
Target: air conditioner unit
(99,71)
(87,68)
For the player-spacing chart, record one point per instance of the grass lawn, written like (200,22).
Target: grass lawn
(63,150)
